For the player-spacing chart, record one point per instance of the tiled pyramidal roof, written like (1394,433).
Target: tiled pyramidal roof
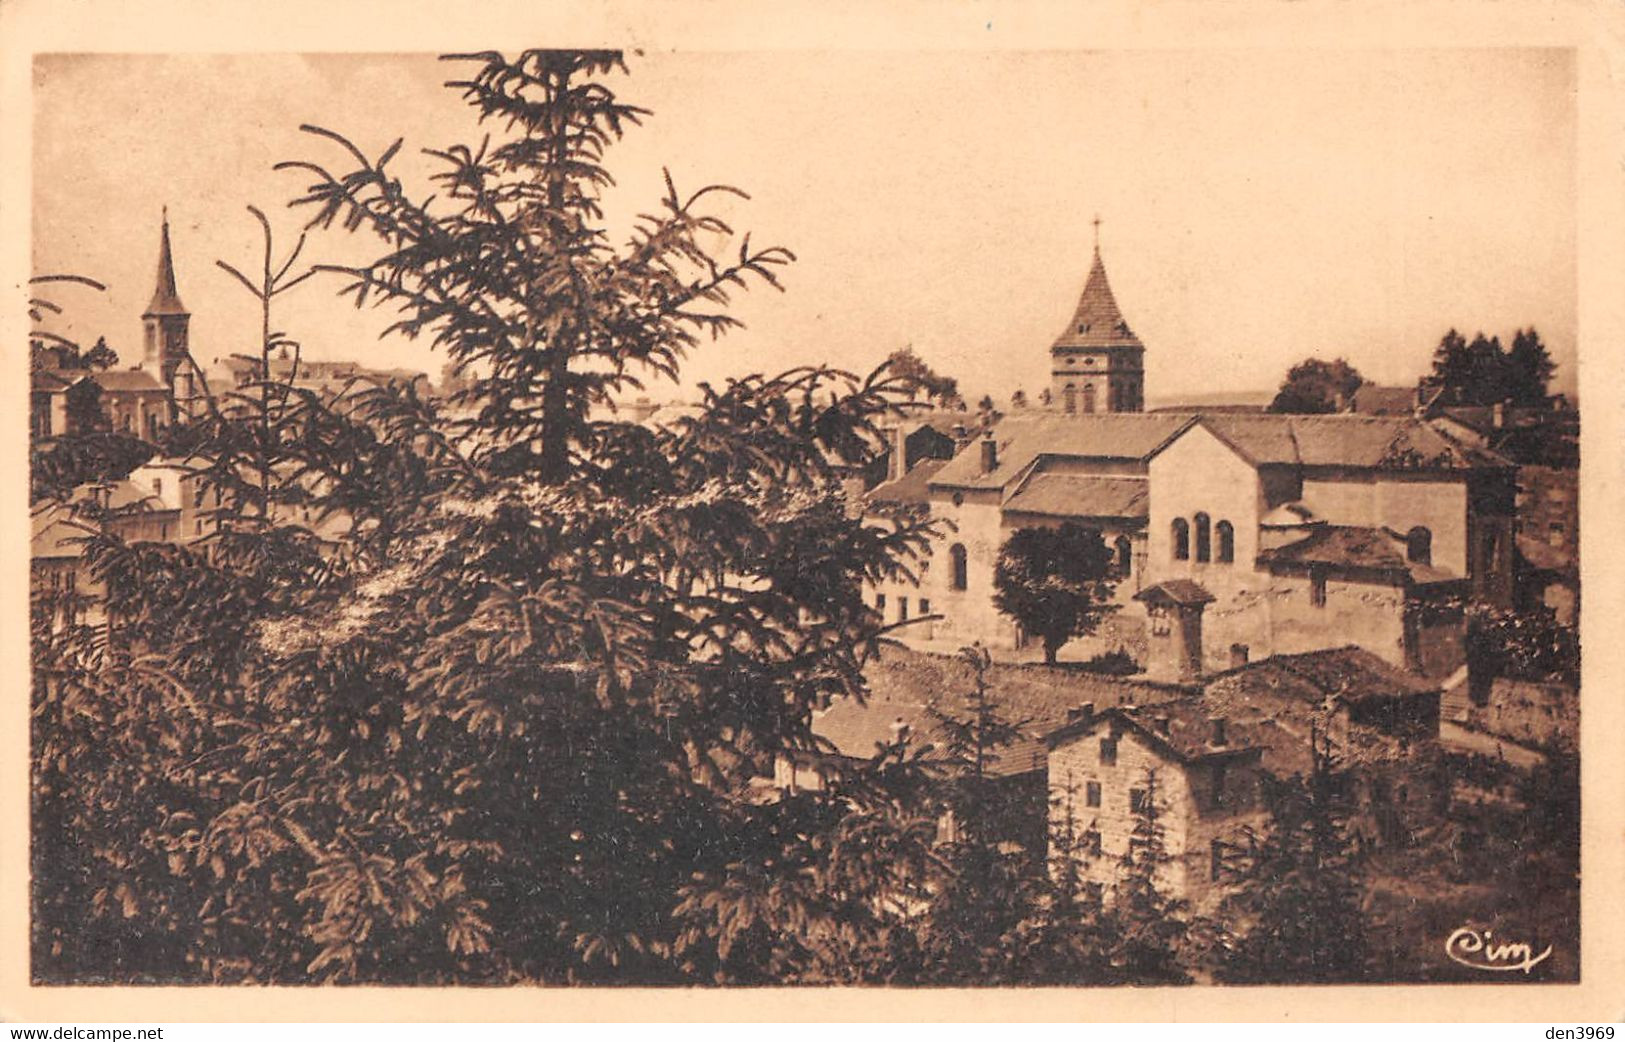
(1097,321)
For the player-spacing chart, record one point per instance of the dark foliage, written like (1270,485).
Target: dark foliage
(1482,372)
(1317,386)
(1297,915)
(482,690)
(1056,582)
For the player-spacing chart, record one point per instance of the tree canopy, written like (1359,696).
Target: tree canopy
(1482,372)
(1055,582)
(1317,386)
(481,689)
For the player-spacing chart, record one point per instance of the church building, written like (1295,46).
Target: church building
(1235,536)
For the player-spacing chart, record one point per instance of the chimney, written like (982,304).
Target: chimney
(897,463)
(1084,714)
(961,436)
(990,454)
(1219,735)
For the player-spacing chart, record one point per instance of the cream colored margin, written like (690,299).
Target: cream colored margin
(1595,29)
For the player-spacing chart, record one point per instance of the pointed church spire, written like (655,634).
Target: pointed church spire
(166,299)
(1097,321)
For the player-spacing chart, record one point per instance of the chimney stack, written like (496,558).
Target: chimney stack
(1084,714)
(1219,735)
(897,463)
(990,454)
(961,436)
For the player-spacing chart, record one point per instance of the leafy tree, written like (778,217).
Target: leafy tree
(1527,643)
(1018,400)
(1297,916)
(913,371)
(1046,398)
(484,694)
(1317,386)
(1055,582)
(100,356)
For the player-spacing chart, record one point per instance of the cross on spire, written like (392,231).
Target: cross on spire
(1097,231)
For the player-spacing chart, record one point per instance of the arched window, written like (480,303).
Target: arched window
(1227,541)
(1182,539)
(1088,397)
(1419,546)
(1125,554)
(1069,399)
(957,554)
(1204,538)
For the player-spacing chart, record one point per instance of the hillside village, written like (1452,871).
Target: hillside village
(1286,596)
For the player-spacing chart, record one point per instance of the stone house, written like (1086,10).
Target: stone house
(1201,763)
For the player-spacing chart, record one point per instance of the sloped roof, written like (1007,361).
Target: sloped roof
(128,380)
(1080,495)
(1355,546)
(1184,728)
(1022,439)
(1377,400)
(913,487)
(1097,321)
(1180,591)
(1348,674)
(902,683)
(1344,440)
(55,381)
(52,533)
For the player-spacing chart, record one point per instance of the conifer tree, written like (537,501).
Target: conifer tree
(1297,914)
(482,690)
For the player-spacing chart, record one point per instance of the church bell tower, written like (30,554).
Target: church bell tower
(166,320)
(1097,364)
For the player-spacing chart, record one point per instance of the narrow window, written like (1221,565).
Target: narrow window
(1089,398)
(957,554)
(880,604)
(1136,801)
(925,606)
(1108,752)
(1069,399)
(1317,589)
(158,486)
(1182,539)
(1217,861)
(902,609)
(1204,538)
(1125,554)
(1419,546)
(1091,794)
(1227,541)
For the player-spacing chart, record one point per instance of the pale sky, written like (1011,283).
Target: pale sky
(1258,206)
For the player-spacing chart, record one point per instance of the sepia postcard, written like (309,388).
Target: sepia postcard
(924,511)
